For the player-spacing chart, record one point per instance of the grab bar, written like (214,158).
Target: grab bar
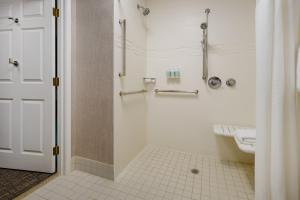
(196,92)
(132,92)
(205,57)
(123,23)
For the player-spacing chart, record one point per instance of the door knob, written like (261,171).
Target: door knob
(13,62)
(16,20)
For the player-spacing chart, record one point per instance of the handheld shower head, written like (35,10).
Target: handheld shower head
(146,11)
(204,25)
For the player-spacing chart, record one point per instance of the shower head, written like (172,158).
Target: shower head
(207,11)
(146,11)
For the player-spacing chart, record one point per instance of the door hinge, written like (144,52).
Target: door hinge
(56,150)
(55,81)
(55,12)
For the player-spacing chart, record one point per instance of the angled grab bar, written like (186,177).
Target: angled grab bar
(123,23)
(196,92)
(122,93)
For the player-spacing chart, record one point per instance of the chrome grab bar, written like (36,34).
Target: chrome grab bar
(205,57)
(123,23)
(196,92)
(132,92)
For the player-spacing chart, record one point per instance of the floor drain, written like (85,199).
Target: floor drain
(195,171)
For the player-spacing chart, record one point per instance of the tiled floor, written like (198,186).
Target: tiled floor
(159,174)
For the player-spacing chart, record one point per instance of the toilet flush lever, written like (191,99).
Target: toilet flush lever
(13,62)
(16,20)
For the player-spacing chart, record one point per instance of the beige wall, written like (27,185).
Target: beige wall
(92,81)
(174,40)
(129,111)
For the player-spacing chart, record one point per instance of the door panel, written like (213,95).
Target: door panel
(32,61)
(32,136)
(6,125)
(27,97)
(5,10)
(33,8)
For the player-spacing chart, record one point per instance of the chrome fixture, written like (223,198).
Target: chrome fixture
(132,92)
(231,82)
(214,82)
(16,20)
(123,24)
(196,92)
(13,62)
(204,42)
(146,11)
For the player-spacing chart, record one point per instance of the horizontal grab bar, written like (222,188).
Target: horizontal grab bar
(132,92)
(196,92)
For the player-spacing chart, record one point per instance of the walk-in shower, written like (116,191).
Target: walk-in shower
(146,11)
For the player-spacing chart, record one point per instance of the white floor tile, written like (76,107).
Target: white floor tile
(159,174)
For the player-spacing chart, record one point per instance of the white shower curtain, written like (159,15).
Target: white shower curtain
(277,168)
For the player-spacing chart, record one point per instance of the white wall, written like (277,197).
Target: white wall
(129,111)
(174,40)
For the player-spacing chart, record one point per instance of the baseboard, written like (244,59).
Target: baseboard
(93,167)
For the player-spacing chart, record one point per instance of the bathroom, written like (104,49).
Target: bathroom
(156,97)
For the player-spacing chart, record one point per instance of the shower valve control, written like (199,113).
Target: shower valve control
(231,82)
(214,82)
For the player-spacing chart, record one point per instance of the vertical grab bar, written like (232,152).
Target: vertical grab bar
(204,27)
(123,23)
(205,56)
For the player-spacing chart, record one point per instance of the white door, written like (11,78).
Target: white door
(27,95)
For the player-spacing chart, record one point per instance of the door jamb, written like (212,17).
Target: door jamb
(64,90)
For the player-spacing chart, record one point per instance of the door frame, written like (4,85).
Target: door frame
(64,90)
